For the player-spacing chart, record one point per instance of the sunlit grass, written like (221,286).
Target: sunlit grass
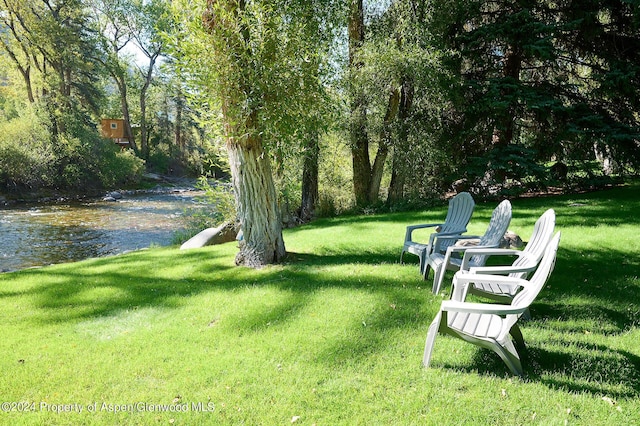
(333,336)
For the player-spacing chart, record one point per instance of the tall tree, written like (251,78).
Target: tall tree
(319,41)
(16,44)
(391,61)
(56,40)
(258,76)
(310,171)
(387,58)
(366,176)
(359,138)
(237,44)
(112,20)
(150,21)
(132,40)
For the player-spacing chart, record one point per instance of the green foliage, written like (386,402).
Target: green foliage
(118,167)
(220,208)
(219,196)
(26,156)
(265,46)
(335,184)
(53,46)
(540,75)
(544,81)
(258,68)
(159,158)
(512,170)
(31,159)
(85,160)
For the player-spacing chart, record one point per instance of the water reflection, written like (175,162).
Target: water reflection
(36,235)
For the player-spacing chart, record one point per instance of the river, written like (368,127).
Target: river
(48,233)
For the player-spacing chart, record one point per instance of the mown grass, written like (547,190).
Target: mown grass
(333,336)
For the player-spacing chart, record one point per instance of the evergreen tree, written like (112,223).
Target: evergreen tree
(537,83)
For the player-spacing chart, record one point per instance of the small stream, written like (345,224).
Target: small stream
(49,233)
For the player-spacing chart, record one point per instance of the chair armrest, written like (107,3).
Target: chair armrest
(462,280)
(501,269)
(467,277)
(411,228)
(459,249)
(487,251)
(495,251)
(456,237)
(450,251)
(446,235)
(442,241)
(479,308)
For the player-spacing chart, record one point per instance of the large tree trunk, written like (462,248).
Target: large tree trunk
(144,146)
(512,69)
(178,140)
(401,151)
(255,192)
(144,127)
(257,203)
(26,74)
(310,178)
(126,115)
(361,163)
(383,147)
(366,177)
(358,130)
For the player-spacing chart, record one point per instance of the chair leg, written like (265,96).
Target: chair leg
(458,291)
(517,336)
(431,338)
(438,276)
(425,271)
(510,356)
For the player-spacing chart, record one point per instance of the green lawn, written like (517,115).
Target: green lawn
(334,336)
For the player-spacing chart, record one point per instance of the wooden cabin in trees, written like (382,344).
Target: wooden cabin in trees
(115,129)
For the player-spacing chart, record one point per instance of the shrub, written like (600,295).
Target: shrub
(26,156)
(30,157)
(119,167)
(220,208)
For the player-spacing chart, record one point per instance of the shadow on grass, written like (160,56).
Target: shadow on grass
(584,368)
(611,373)
(343,257)
(136,280)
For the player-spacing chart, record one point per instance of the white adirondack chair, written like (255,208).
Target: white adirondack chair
(492,326)
(448,256)
(458,216)
(525,263)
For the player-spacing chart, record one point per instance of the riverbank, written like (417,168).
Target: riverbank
(151,183)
